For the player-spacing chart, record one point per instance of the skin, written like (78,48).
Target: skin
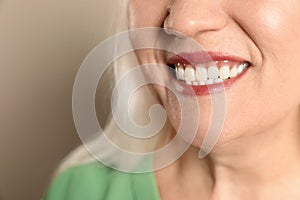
(258,153)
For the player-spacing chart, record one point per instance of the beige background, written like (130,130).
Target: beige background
(42,44)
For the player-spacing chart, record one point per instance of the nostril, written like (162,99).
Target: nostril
(168,28)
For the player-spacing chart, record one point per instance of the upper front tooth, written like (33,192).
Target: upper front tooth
(225,72)
(202,83)
(180,73)
(213,72)
(190,74)
(201,73)
(233,72)
(219,80)
(195,83)
(209,81)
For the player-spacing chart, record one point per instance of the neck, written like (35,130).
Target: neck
(265,158)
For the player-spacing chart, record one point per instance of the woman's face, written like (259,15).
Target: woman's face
(265,33)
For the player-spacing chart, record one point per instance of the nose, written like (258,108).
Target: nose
(191,17)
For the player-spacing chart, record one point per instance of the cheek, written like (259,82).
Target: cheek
(271,24)
(280,41)
(274,89)
(275,30)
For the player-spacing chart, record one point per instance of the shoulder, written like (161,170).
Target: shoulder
(94,180)
(88,181)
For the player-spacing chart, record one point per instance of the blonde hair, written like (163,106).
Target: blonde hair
(81,155)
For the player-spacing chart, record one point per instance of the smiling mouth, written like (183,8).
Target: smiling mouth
(203,70)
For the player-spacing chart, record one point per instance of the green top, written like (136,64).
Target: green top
(95,181)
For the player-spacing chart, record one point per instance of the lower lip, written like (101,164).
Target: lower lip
(204,90)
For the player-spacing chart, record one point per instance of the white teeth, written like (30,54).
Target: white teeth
(245,65)
(224,72)
(233,72)
(219,80)
(240,69)
(213,72)
(180,73)
(209,81)
(195,83)
(189,74)
(201,73)
(202,82)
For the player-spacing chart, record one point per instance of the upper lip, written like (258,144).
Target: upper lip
(203,57)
